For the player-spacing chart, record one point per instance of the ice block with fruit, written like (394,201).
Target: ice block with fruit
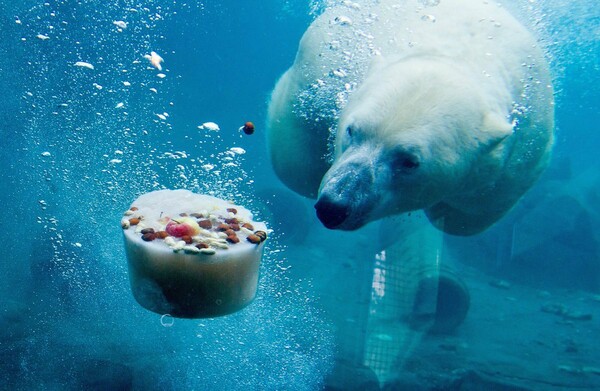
(192,255)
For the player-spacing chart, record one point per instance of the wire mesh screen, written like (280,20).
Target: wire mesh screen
(403,294)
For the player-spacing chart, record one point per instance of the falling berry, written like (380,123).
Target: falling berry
(248,128)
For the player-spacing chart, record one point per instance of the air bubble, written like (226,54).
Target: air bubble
(428,18)
(430,3)
(167,320)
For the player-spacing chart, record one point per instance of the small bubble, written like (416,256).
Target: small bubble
(428,18)
(167,320)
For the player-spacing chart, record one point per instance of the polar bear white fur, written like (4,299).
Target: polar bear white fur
(441,105)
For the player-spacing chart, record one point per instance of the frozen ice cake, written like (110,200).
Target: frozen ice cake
(192,255)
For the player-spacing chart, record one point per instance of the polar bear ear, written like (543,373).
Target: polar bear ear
(496,128)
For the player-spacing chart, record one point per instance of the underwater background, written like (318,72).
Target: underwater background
(78,145)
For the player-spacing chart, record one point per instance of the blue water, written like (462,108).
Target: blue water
(78,146)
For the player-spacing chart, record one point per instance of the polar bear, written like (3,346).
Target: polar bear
(389,107)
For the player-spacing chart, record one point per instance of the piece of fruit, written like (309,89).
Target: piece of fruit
(184,226)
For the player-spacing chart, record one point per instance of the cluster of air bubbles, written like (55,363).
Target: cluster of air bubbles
(317,7)
(430,3)
(348,55)
(269,342)
(567,30)
(331,143)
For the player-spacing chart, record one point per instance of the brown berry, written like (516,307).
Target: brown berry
(232,210)
(134,221)
(234,226)
(248,128)
(149,236)
(262,235)
(187,239)
(232,221)
(253,239)
(229,232)
(202,245)
(233,239)
(183,214)
(223,227)
(147,231)
(196,215)
(206,224)
(248,226)
(162,234)
(133,208)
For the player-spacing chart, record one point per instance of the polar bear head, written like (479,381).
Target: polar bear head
(416,133)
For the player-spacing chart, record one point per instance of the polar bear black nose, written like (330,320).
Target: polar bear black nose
(330,212)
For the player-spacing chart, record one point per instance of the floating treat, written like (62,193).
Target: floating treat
(248,128)
(186,258)
(155,60)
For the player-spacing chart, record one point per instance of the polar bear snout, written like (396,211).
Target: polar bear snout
(332,212)
(347,195)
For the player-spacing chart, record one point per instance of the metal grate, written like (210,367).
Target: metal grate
(397,273)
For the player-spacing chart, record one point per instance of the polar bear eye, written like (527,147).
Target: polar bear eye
(405,163)
(409,164)
(348,137)
(349,130)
